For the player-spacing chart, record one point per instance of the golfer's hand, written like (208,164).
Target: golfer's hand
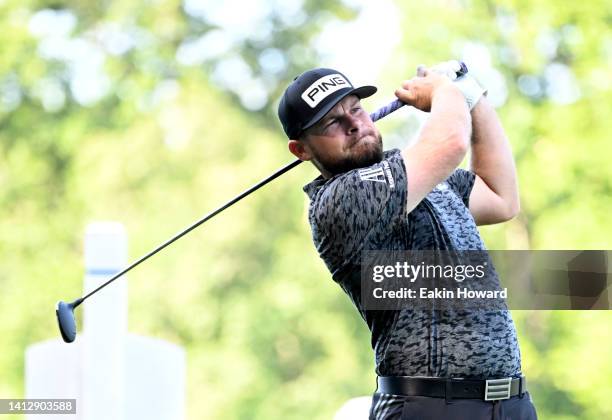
(446,68)
(420,91)
(471,89)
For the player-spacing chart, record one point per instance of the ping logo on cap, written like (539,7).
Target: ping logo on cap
(324,87)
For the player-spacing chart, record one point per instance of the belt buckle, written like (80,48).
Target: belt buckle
(497,389)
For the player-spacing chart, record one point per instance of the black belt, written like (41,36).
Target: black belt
(488,390)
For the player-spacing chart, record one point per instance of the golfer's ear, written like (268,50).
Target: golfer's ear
(299,149)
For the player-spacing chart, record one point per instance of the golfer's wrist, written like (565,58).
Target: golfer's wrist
(447,92)
(471,90)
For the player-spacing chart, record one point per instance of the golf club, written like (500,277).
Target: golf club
(65,311)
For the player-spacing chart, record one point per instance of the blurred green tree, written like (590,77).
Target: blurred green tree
(154,113)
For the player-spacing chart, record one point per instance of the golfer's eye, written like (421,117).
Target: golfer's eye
(356,109)
(331,123)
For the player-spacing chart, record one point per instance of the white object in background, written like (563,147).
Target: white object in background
(111,374)
(355,409)
(104,323)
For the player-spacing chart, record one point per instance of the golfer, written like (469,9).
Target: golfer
(430,364)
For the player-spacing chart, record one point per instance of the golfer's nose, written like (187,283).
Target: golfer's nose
(353,124)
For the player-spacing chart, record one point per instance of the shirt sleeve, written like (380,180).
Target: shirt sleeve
(356,209)
(462,182)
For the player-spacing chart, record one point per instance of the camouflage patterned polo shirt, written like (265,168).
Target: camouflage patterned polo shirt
(365,209)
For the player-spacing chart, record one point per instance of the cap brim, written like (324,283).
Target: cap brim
(360,92)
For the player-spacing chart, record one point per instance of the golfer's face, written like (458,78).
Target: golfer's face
(345,138)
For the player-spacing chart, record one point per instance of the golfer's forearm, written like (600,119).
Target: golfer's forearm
(441,146)
(491,156)
(448,126)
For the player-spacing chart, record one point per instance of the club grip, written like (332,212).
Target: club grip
(397,104)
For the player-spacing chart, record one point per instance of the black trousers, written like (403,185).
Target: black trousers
(400,407)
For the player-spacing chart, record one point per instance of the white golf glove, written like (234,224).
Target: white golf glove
(470,88)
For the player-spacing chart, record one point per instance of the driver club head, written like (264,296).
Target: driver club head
(66,320)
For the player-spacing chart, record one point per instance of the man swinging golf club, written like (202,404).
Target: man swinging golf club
(430,364)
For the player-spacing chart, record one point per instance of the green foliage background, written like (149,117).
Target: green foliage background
(267,334)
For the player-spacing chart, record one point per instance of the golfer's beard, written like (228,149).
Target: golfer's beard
(373,154)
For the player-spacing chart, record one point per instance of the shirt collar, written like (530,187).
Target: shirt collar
(312,187)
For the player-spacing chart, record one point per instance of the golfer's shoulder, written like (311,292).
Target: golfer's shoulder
(336,193)
(366,182)
(461,178)
(461,182)
(360,191)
